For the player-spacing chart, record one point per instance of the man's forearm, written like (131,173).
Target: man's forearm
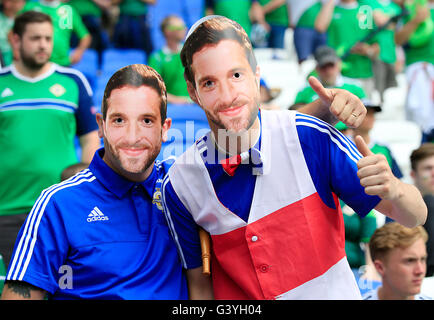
(89,143)
(408,208)
(324,17)
(20,290)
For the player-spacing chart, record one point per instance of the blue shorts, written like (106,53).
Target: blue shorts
(306,40)
(277,36)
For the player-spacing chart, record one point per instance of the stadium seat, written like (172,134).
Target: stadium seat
(114,59)
(157,13)
(188,121)
(284,74)
(188,124)
(402,137)
(88,66)
(192,11)
(88,62)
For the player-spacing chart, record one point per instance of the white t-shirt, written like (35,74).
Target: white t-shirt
(297,8)
(373,295)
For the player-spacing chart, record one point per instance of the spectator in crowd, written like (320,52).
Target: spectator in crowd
(241,11)
(328,69)
(384,64)
(399,255)
(115,241)
(257,254)
(91,12)
(303,16)
(422,172)
(276,16)
(167,61)
(44,106)
(346,24)
(65,22)
(9,9)
(132,30)
(358,231)
(416,35)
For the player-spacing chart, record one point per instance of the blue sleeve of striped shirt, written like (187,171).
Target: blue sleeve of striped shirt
(41,246)
(183,228)
(332,161)
(85,114)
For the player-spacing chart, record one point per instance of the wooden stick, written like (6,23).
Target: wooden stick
(205,244)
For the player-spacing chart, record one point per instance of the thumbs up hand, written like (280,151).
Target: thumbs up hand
(375,174)
(344,105)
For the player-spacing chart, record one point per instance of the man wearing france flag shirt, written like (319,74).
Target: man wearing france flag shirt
(266,184)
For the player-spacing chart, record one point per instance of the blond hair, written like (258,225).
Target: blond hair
(394,235)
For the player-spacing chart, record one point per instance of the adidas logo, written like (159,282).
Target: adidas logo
(6,93)
(96,215)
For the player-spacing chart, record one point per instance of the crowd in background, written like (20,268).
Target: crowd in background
(357,45)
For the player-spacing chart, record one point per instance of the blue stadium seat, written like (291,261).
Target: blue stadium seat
(88,65)
(114,59)
(188,121)
(157,13)
(192,11)
(88,62)
(188,124)
(189,10)
(186,112)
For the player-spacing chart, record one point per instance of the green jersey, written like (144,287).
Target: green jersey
(385,38)
(278,16)
(237,10)
(133,8)
(348,26)
(39,118)
(168,64)
(422,53)
(307,19)
(86,8)
(384,150)
(65,21)
(357,230)
(308,95)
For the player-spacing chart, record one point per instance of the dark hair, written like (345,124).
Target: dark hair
(424,151)
(22,20)
(213,31)
(72,170)
(136,75)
